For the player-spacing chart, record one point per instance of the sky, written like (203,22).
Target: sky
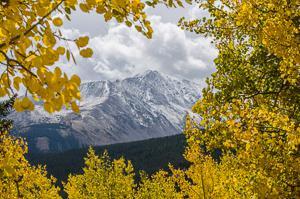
(120,52)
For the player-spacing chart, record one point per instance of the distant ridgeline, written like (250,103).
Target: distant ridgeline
(145,106)
(148,155)
(46,137)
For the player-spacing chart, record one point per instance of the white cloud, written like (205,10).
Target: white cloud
(194,12)
(122,52)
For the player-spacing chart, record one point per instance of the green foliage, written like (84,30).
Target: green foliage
(5,108)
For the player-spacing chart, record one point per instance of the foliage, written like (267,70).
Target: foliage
(147,155)
(31,44)
(159,186)
(17,178)
(102,178)
(251,107)
(5,108)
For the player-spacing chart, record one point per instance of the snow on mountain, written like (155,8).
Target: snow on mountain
(144,106)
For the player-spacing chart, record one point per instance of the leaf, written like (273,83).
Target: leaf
(84,7)
(17,81)
(138,28)
(76,79)
(88,52)
(82,41)
(48,107)
(107,16)
(68,55)
(75,107)
(128,23)
(57,21)
(61,50)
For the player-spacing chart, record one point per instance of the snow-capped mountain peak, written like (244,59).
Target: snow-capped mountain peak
(144,106)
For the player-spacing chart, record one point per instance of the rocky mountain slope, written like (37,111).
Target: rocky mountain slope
(144,106)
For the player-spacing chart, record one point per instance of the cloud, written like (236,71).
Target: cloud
(122,52)
(194,12)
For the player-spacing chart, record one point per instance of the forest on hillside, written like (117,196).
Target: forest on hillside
(148,155)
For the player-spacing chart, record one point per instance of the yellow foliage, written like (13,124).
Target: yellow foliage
(57,21)
(269,23)
(82,41)
(159,186)
(23,104)
(250,109)
(88,52)
(17,178)
(28,44)
(102,178)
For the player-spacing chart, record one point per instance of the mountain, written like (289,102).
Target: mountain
(144,106)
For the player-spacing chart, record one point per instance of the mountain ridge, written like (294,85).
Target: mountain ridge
(144,106)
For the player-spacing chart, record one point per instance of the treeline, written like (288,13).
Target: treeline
(148,155)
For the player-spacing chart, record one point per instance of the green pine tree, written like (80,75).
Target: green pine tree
(5,108)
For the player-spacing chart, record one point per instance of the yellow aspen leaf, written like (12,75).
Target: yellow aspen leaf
(100,9)
(17,81)
(27,104)
(149,35)
(68,55)
(248,146)
(49,107)
(107,16)
(30,58)
(82,41)
(17,105)
(71,2)
(77,95)
(57,72)
(24,104)
(84,7)
(128,23)
(34,86)
(75,79)
(3,92)
(37,38)
(138,28)
(75,107)
(57,21)
(88,52)
(61,50)
(49,40)
(2,58)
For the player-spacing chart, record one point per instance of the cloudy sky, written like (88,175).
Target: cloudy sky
(121,52)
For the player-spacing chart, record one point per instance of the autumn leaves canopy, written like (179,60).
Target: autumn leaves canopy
(31,44)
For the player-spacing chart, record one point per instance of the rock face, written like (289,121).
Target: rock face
(145,106)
